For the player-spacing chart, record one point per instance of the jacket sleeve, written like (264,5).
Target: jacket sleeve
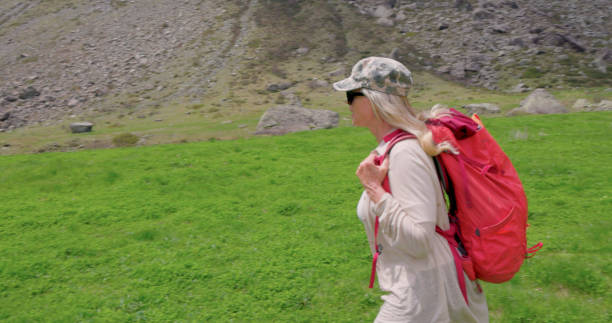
(407,216)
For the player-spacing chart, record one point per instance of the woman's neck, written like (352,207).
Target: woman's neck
(380,129)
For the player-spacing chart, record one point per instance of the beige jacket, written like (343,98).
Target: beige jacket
(416,267)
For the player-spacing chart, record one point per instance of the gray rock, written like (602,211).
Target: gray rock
(499,29)
(291,98)
(525,61)
(444,69)
(394,54)
(604,105)
(517,41)
(481,108)
(474,63)
(80,127)
(302,51)
(318,83)
(285,119)
(550,39)
(585,105)
(539,51)
(510,4)
(102,92)
(5,116)
(520,88)
(382,11)
(556,39)
(482,14)
(400,16)
(574,44)
(602,60)
(458,70)
(28,93)
(388,22)
(536,30)
(539,102)
(337,72)
(463,5)
(279,87)
(489,5)
(73,102)
(581,104)
(11,98)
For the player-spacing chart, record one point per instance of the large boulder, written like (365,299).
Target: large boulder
(79,127)
(585,105)
(581,104)
(481,108)
(539,102)
(280,120)
(604,105)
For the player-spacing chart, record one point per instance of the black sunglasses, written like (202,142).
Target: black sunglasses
(350,96)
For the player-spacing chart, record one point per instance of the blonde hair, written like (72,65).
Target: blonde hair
(397,112)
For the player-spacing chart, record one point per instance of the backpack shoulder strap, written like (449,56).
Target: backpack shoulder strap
(392,139)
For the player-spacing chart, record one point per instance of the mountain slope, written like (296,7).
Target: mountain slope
(120,62)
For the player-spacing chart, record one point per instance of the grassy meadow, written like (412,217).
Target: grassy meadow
(264,229)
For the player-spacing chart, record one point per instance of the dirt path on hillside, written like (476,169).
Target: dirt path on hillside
(222,56)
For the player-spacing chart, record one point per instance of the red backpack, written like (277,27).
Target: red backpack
(488,206)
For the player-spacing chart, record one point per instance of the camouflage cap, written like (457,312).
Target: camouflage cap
(379,74)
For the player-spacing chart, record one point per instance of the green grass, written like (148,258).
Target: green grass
(264,229)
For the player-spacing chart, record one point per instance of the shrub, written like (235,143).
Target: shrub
(125,139)
(280,99)
(532,72)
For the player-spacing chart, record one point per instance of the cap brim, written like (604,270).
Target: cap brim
(348,84)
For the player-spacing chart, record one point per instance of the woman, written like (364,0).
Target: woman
(416,268)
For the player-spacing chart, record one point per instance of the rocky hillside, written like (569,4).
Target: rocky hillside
(485,42)
(61,58)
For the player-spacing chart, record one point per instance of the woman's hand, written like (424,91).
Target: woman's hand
(372,176)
